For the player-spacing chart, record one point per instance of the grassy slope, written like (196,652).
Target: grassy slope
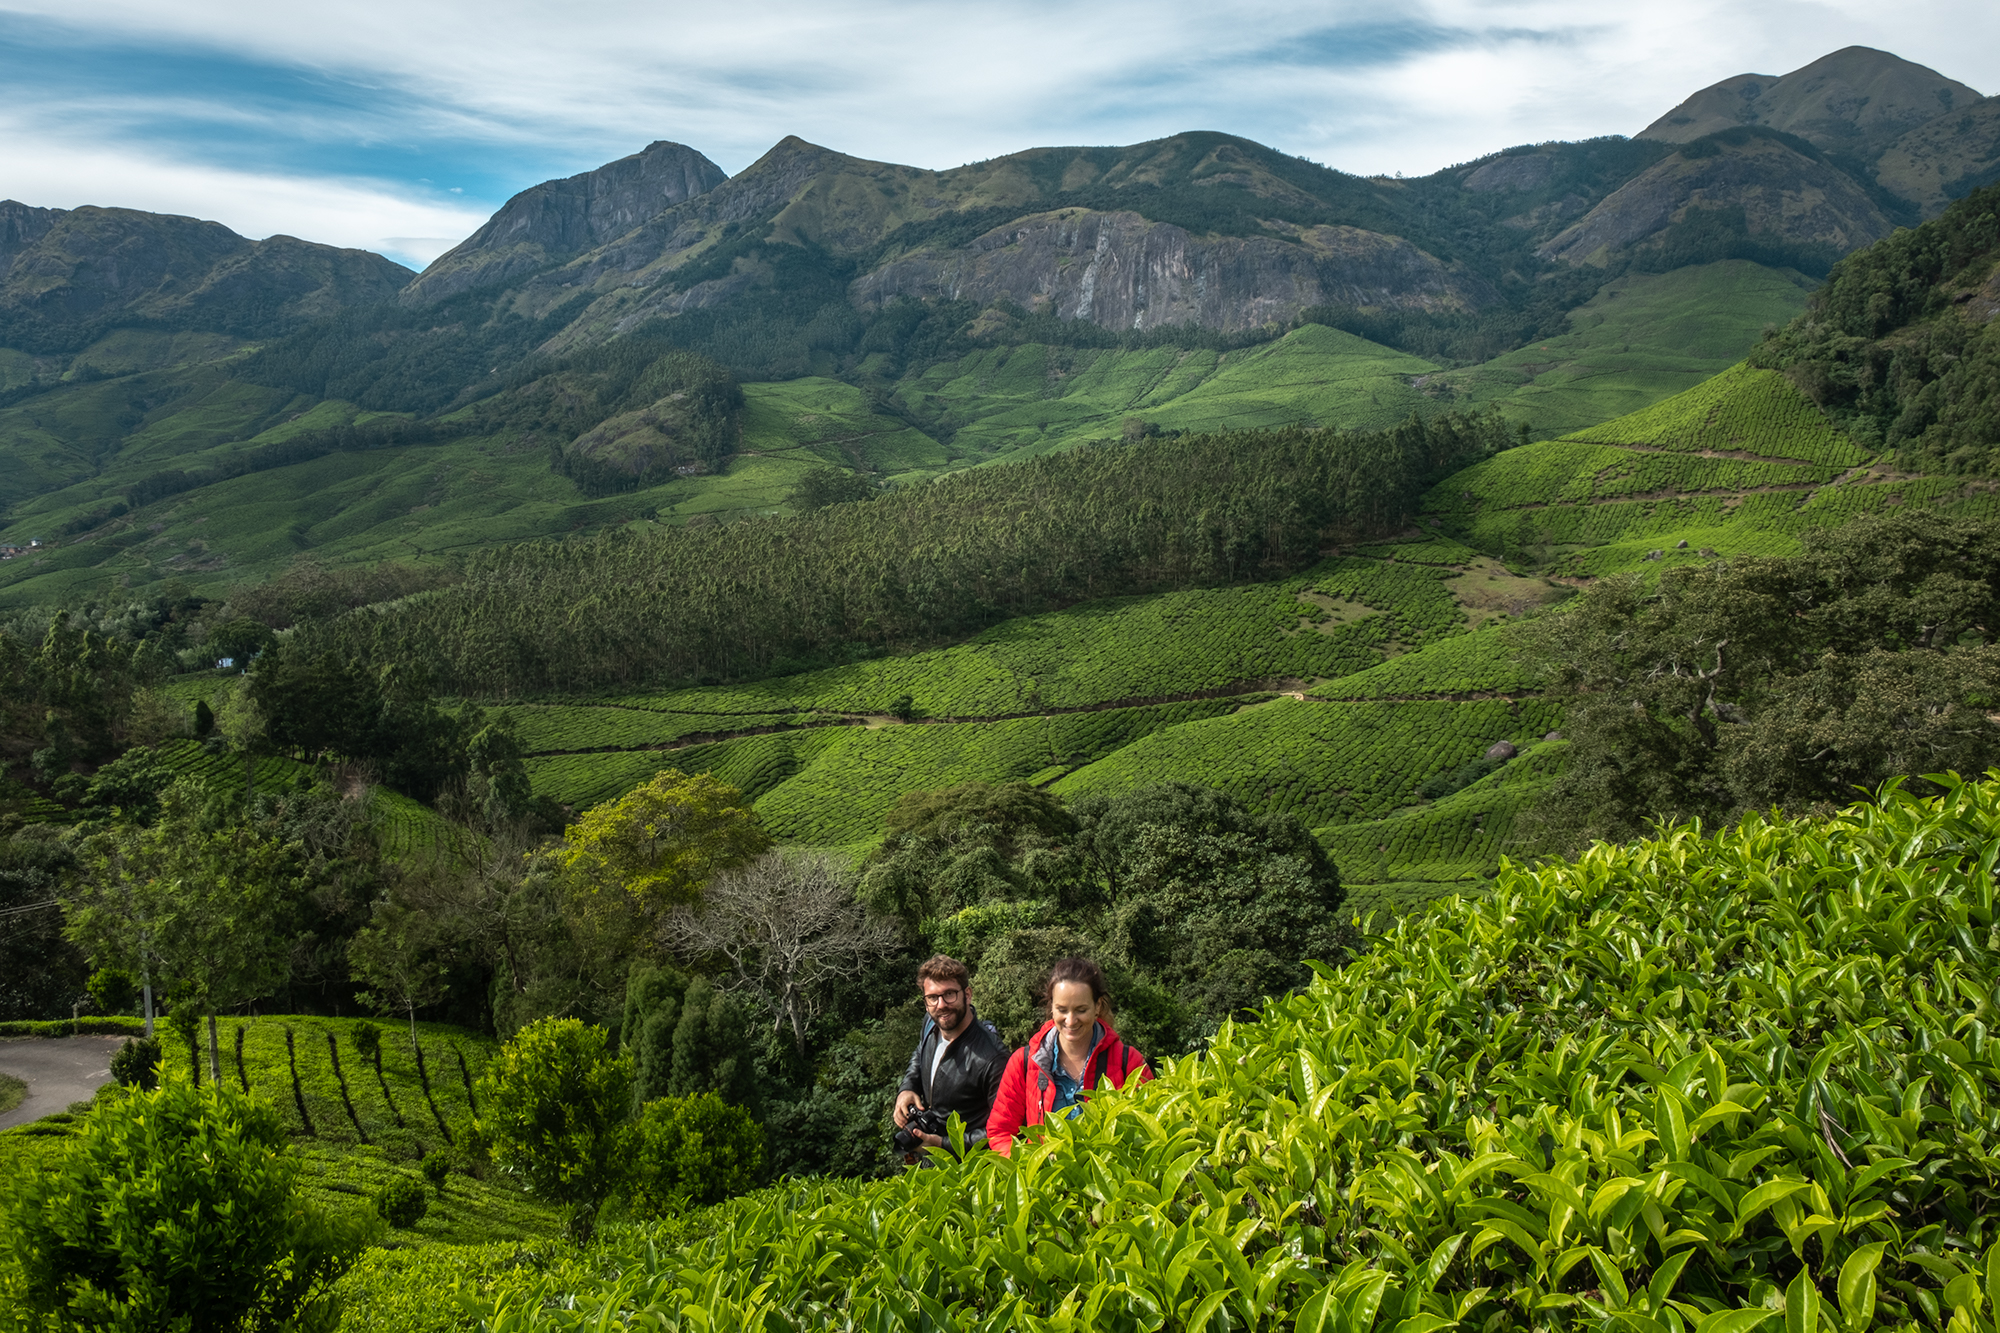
(1643,338)
(1741,464)
(1036,399)
(170,404)
(1105,695)
(1738,466)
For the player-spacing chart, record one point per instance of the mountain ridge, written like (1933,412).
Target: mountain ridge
(66,275)
(893,321)
(1857,97)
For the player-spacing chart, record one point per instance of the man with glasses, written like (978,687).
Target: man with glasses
(958,1060)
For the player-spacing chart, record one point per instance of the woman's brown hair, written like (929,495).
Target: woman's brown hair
(1080,970)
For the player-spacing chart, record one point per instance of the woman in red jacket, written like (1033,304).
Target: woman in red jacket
(1075,1052)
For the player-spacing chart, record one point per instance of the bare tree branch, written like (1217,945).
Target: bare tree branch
(787,925)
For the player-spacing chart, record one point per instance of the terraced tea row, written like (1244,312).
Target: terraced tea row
(1118,649)
(1328,763)
(1463,665)
(1564,472)
(1459,838)
(361,1122)
(1741,410)
(1739,465)
(831,786)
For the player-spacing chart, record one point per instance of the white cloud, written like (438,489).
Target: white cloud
(345,212)
(932,84)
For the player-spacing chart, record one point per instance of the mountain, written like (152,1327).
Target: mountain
(1917,135)
(1946,158)
(1199,228)
(68,275)
(562,218)
(178,401)
(1802,211)
(1857,100)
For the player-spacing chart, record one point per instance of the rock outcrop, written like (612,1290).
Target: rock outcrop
(1121,271)
(561,219)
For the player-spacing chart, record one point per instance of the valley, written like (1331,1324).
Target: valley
(1481,662)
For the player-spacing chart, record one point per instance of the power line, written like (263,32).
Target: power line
(31,907)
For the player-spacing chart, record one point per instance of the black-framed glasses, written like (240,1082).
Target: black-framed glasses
(943,997)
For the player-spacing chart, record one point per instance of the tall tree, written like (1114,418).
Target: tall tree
(204,899)
(1742,684)
(661,842)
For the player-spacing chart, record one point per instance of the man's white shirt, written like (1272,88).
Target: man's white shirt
(937,1056)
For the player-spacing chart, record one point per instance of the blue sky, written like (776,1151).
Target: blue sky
(399,127)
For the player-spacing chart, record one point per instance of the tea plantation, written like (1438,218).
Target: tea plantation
(1704,1082)
(357,1124)
(1396,655)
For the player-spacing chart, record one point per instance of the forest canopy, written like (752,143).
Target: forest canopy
(771,596)
(1902,347)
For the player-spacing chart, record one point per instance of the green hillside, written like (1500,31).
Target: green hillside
(355,1126)
(1653,1088)
(1332,695)
(1739,466)
(78,459)
(1335,694)
(1642,338)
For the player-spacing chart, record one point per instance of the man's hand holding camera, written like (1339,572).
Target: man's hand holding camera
(914,1121)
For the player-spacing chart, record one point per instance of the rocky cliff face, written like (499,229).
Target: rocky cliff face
(1112,266)
(65,273)
(1120,271)
(560,219)
(21,227)
(1784,195)
(1857,100)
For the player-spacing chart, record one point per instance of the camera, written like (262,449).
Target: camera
(922,1122)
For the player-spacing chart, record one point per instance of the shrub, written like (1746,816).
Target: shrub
(401,1202)
(171,1208)
(436,1168)
(137,1063)
(554,1112)
(367,1040)
(691,1151)
(113,991)
(184,1021)
(1456,779)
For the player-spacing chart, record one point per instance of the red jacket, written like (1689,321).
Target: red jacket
(1028,1087)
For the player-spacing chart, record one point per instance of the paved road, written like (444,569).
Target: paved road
(57,1070)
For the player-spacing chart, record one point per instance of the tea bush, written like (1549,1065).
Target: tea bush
(1694,1084)
(401,1202)
(553,1108)
(137,1063)
(689,1151)
(172,1208)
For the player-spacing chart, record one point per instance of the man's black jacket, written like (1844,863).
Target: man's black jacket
(968,1078)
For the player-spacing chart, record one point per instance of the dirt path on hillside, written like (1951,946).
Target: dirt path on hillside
(57,1070)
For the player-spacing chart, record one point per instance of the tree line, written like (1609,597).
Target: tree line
(1798,682)
(770,596)
(1901,349)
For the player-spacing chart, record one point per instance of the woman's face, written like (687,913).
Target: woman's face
(1073,1008)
